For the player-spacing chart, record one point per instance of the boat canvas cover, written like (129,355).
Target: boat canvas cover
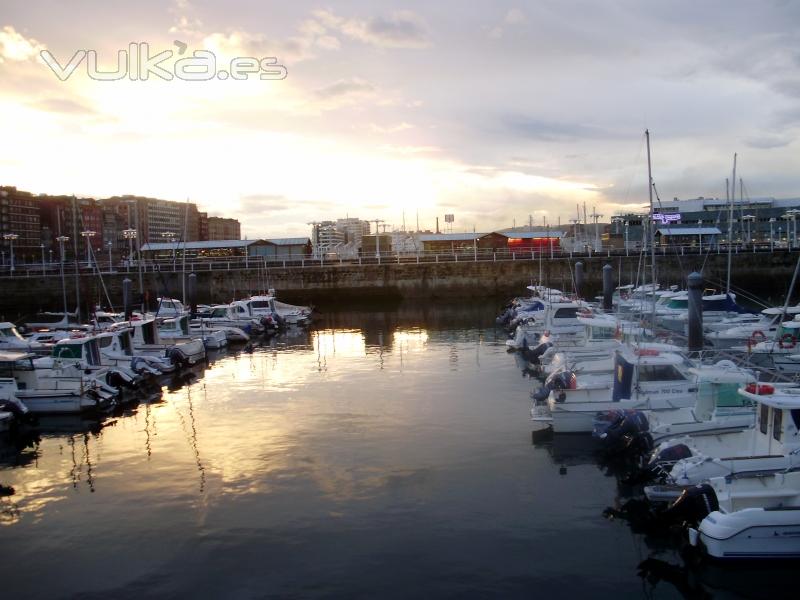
(623,378)
(726,304)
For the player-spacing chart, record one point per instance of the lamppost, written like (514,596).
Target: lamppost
(43,265)
(788,216)
(110,244)
(377,239)
(61,240)
(10,237)
(771,236)
(130,235)
(87,236)
(794,212)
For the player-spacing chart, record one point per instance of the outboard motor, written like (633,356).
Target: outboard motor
(623,431)
(560,380)
(693,505)
(16,408)
(662,462)
(532,356)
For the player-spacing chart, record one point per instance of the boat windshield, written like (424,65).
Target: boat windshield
(10,332)
(260,304)
(7,367)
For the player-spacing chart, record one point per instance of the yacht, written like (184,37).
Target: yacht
(643,378)
(10,339)
(72,393)
(772,445)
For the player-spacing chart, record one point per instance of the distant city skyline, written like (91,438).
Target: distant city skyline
(491,112)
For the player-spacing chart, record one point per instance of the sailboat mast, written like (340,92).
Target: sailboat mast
(730,225)
(652,222)
(183,261)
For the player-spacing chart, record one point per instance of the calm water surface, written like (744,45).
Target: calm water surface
(380,454)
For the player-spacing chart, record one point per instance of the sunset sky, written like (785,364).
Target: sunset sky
(492,111)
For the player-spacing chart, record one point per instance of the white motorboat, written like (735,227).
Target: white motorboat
(116,349)
(228,316)
(779,352)
(716,307)
(556,319)
(147,342)
(54,394)
(55,320)
(758,517)
(177,329)
(772,445)
(267,306)
(718,406)
(602,336)
(79,356)
(644,379)
(11,340)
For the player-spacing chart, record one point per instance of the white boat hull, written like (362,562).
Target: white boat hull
(751,533)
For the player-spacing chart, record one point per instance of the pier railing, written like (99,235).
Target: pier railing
(235,263)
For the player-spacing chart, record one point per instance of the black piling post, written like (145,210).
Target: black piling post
(126,298)
(579,279)
(608,286)
(695,281)
(191,293)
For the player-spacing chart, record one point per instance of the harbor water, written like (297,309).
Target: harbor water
(385,452)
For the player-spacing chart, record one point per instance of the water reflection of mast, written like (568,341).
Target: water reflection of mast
(73,472)
(193,437)
(380,347)
(147,444)
(89,476)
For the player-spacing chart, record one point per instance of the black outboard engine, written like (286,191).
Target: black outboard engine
(560,380)
(623,431)
(532,356)
(693,505)
(661,463)
(15,409)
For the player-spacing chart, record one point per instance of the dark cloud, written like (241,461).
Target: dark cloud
(768,141)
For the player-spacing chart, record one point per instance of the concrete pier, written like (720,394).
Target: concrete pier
(765,274)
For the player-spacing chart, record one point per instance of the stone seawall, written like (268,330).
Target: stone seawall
(764,274)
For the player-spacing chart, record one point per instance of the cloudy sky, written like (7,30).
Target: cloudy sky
(493,111)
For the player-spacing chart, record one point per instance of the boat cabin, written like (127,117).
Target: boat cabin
(777,418)
(646,373)
(83,350)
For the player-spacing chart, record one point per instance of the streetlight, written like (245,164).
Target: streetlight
(61,240)
(788,216)
(377,239)
(10,237)
(87,236)
(626,236)
(42,247)
(130,235)
(109,256)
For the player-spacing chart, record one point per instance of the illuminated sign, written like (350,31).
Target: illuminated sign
(666,219)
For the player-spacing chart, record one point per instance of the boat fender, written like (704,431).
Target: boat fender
(763,389)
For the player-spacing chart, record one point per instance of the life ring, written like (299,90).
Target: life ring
(787,341)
